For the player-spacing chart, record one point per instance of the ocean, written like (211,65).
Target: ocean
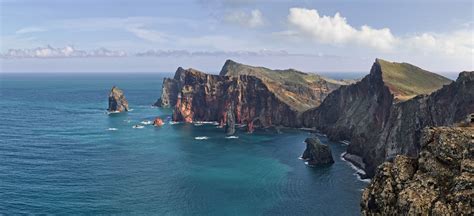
(61,153)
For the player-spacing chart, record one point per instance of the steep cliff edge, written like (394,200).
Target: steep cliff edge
(206,97)
(300,90)
(256,96)
(374,115)
(439,181)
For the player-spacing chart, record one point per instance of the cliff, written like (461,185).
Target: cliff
(205,97)
(438,182)
(117,101)
(379,120)
(256,96)
(300,90)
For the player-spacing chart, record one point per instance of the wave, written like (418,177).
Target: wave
(201,138)
(198,124)
(232,137)
(138,126)
(146,122)
(112,112)
(173,122)
(345,142)
(112,129)
(358,170)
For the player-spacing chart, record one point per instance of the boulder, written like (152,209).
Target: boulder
(158,122)
(317,153)
(117,101)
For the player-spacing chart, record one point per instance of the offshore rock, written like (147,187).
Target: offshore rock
(383,114)
(317,153)
(158,122)
(230,121)
(117,101)
(439,182)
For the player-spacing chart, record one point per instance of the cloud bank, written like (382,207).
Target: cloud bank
(65,52)
(335,30)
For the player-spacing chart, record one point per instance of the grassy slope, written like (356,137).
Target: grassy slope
(406,81)
(285,83)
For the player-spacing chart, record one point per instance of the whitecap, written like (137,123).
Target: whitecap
(112,112)
(358,170)
(138,126)
(173,122)
(201,138)
(198,124)
(112,129)
(146,122)
(232,137)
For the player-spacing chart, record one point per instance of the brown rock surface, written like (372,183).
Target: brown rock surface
(117,101)
(438,182)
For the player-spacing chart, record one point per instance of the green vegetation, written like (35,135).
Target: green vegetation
(406,81)
(300,90)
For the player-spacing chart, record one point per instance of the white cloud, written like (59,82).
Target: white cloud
(30,30)
(336,30)
(147,34)
(253,19)
(65,52)
(460,42)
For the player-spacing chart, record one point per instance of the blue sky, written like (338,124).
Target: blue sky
(159,36)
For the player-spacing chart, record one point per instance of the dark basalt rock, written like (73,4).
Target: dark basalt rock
(317,153)
(378,124)
(439,182)
(230,121)
(117,101)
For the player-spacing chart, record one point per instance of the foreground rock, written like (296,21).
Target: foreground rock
(260,97)
(317,153)
(439,182)
(383,114)
(117,101)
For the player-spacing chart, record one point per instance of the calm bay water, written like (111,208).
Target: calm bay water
(60,153)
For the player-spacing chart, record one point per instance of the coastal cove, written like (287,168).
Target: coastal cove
(61,153)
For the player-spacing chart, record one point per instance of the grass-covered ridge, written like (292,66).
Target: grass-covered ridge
(406,81)
(301,91)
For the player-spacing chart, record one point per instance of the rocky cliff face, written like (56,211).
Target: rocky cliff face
(438,182)
(117,101)
(205,97)
(259,96)
(380,124)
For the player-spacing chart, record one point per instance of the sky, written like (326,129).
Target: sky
(159,36)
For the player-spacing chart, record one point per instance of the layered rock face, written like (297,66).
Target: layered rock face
(205,97)
(255,96)
(317,153)
(300,90)
(374,115)
(439,182)
(117,101)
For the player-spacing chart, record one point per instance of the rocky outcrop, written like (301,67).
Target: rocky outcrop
(117,101)
(258,97)
(205,97)
(158,122)
(317,153)
(380,121)
(438,182)
(230,121)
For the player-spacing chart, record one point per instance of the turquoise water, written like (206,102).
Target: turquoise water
(57,155)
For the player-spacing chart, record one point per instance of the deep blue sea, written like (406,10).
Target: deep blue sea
(60,153)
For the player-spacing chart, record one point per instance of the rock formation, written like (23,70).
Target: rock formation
(117,101)
(439,182)
(230,121)
(158,122)
(317,153)
(381,116)
(260,97)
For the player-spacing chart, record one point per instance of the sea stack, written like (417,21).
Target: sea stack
(230,121)
(317,153)
(117,101)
